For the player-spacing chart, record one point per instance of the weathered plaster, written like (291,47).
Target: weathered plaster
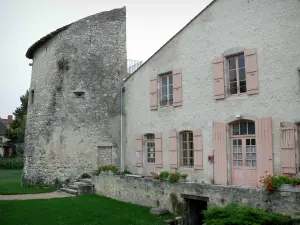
(272,27)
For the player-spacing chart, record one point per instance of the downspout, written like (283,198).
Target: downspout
(122,158)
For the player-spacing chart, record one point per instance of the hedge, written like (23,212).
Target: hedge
(12,163)
(234,214)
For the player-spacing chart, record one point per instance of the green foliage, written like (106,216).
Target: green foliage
(107,168)
(174,177)
(12,163)
(163,175)
(85,175)
(16,130)
(273,182)
(234,214)
(126,171)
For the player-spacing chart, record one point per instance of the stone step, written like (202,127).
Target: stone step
(79,183)
(86,180)
(70,191)
(73,186)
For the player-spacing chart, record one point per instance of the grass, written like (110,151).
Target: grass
(80,210)
(10,183)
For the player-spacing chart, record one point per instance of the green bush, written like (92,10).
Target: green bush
(163,175)
(174,177)
(126,171)
(12,163)
(85,175)
(234,214)
(111,168)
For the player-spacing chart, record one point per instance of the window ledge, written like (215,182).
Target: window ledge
(188,169)
(237,97)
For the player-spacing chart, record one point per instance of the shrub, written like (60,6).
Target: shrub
(85,175)
(273,182)
(234,214)
(163,175)
(107,168)
(126,171)
(12,163)
(173,177)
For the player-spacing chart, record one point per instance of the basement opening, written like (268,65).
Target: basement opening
(195,206)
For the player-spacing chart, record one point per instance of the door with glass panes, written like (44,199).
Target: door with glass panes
(149,154)
(243,152)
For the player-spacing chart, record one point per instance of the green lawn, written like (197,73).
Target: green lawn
(80,210)
(10,183)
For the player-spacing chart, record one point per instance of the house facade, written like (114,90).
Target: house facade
(220,100)
(5,148)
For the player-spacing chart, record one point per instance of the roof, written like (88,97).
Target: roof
(37,44)
(5,122)
(170,40)
(3,128)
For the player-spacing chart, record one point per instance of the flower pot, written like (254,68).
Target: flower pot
(287,187)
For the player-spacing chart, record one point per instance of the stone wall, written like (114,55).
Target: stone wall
(75,109)
(150,192)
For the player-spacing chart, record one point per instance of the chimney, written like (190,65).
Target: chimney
(9,119)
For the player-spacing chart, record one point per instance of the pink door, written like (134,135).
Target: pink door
(243,148)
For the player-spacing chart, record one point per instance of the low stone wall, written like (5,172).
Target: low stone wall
(153,193)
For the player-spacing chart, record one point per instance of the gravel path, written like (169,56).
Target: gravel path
(55,194)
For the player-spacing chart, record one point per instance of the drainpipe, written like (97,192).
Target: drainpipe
(122,157)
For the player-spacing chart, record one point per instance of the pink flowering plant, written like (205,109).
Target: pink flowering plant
(272,182)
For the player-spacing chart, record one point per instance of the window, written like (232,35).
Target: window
(166,93)
(243,128)
(150,148)
(243,144)
(1,140)
(237,75)
(32,97)
(186,149)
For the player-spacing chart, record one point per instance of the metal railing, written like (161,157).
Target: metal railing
(133,65)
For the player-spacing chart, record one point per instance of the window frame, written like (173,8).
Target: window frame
(237,68)
(241,135)
(167,74)
(152,141)
(188,149)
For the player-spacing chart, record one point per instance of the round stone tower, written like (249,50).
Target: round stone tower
(73,118)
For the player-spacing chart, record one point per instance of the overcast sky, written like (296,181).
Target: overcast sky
(22,22)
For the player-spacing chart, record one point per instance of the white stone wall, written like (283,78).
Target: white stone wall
(272,27)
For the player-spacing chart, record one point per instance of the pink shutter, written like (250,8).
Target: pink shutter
(220,156)
(177,87)
(198,149)
(173,149)
(288,147)
(139,152)
(218,70)
(251,71)
(158,150)
(264,146)
(153,93)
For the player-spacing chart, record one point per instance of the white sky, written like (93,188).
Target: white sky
(22,22)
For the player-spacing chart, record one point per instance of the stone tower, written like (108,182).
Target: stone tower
(73,119)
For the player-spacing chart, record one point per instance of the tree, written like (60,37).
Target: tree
(16,130)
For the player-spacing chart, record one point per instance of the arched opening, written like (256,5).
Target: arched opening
(243,152)
(186,153)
